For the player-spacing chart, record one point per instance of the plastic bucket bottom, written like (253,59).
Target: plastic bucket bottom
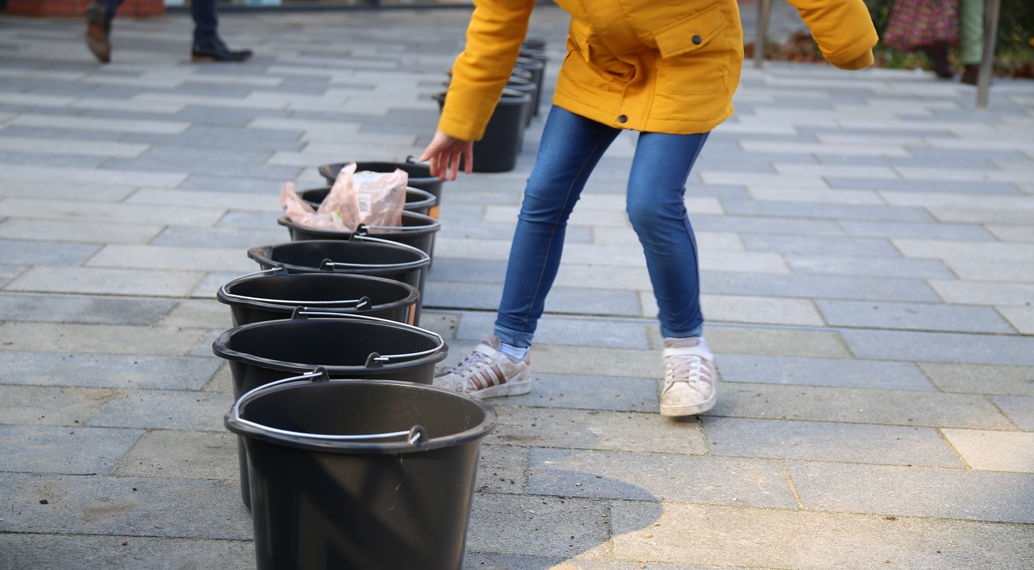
(266,352)
(419,176)
(274,294)
(359,255)
(388,503)
(416,231)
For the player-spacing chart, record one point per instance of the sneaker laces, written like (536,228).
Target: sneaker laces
(469,362)
(687,368)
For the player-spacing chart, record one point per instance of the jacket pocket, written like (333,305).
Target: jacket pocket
(690,33)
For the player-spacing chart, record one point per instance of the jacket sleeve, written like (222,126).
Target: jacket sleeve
(842,28)
(497,29)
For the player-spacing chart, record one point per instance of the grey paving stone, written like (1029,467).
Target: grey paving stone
(868,266)
(45,253)
(33,229)
(720,192)
(99,338)
(651,477)
(204,348)
(817,286)
(821,441)
(206,136)
(223,116)
(166,410)
(925,231)
(912,316)
(199,314)
(80,451)
(914,491)
(724,339)
(765,225)
(110,505)
(246,163)
(503,469)
(833,372)
(1019,409)
(231,184)
(33,551)
(82,309)
(251,220)
(857,405)
(775,538)
(477,561)
(981,378)
(941,347)
(9,272)
(922,185)
(564,331)
(459,213)
(595,429)
(588,392)
(859,247)
(60,134)
(825,211)
(478,271)
(181,455)
(994,450)
(218,237)
(51,406)
(106,370)
(452,295)
(537,526)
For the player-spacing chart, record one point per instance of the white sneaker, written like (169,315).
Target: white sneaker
(487,373)
(689,385)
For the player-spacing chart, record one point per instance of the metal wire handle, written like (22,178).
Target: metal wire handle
(364,227)
(376,358)
(328,264)
(359,303)
(415,433)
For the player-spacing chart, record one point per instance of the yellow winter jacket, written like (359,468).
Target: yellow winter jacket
(668,66)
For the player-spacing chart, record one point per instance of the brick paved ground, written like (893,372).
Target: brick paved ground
(867,245)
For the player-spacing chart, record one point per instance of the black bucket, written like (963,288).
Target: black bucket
(497,151)
(273,294)
(534,43)
(368,475)
(348,346)
(361,255)
(417,201)
(527,87)
(538,70)
(416,231)
(419,176)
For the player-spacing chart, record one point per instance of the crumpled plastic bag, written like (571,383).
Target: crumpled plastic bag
(367,198)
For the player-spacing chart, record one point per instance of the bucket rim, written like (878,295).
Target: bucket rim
(329,171)
(426,198)
(261,255)
(227,297)
(430,226)
(326,444)
(375,362)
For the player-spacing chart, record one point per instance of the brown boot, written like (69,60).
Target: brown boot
(971,74)
(938,57)
(98,30)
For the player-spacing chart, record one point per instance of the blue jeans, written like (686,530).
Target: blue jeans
(570,148)
(203,11)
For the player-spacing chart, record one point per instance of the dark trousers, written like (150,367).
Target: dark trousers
(203,11)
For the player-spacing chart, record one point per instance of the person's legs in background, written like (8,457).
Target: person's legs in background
(656,208)
(571,146)
(98,28)
(207,45)
(971,38)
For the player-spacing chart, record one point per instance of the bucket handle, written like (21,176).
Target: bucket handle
(413,435)
(359,303)
(376,360)
(363,229)
(328,264)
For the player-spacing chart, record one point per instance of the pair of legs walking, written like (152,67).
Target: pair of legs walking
(571,147)
(207,45)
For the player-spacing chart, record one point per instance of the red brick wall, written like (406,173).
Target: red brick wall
(77,8)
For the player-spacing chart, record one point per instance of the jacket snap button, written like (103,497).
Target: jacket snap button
(697,40)
(622,119)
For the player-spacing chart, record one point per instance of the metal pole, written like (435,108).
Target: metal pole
(992,10)
(764,10)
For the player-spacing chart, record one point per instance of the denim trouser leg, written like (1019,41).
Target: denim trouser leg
(205,21)
(571,146)
(656,208)
(111,5)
